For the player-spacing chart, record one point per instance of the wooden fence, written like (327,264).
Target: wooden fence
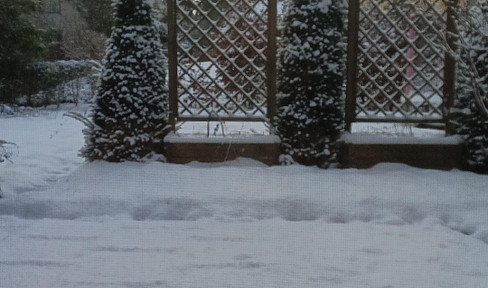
(397,68)
(222,60)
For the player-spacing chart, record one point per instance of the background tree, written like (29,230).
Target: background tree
(20,44)
(310,119)
(78,41)
(131,109)
(98,15)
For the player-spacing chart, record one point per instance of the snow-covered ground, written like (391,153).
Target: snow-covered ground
(66,223)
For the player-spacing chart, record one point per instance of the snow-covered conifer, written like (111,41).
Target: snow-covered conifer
(310,118)
(131,110)
(466,114)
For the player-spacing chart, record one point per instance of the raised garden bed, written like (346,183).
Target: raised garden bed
(364,151)
(185,149)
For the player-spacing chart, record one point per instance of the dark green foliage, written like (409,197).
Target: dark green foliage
(44,79)
(131,110)
(310,119)
(466,115)
(20,44)
(97,14)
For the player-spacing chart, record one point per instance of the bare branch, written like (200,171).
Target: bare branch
(77,116)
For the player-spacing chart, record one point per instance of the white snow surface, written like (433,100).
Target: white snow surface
(365,138)
(67,223)
(182,138)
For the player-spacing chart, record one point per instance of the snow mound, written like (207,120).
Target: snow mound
(245,190)
(482,235)
(171,209)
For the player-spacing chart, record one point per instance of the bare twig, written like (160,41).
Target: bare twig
(470,19)
(77,116)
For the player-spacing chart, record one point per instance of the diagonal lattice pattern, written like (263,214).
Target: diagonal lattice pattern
(400,65)
(221,66)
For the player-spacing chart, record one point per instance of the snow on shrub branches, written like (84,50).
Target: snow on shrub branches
(310,119)
(469,111)
(131,109)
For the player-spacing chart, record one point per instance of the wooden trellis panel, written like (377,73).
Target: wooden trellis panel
(222,53)
(397,71)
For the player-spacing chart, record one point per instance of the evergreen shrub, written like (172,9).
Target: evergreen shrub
(310,117)
(130,114)
(466,115)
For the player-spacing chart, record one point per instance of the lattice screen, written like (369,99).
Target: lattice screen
(400,66)
(221,67)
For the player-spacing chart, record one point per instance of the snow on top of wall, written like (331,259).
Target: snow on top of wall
(249,139)
(360,138)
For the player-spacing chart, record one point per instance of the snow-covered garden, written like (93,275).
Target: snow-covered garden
(68,223)
(93,203)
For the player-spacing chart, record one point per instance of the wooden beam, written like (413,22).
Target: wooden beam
(271,59)
(219,119)
(172,63)
(398,120)
(352,58)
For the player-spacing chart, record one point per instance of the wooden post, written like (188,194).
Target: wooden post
(449,88)
(172,63)
(352,59)
(271,59)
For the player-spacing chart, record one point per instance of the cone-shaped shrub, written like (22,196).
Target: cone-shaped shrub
(310,118)
(131,109)
(468,119)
